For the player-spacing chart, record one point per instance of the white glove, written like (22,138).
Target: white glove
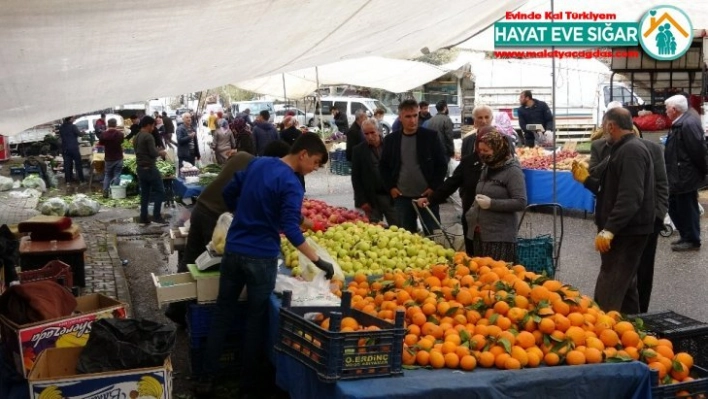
(483,201)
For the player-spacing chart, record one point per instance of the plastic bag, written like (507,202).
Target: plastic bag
(544,139)
(54,207)
(125,344)
(307,293)
(218,237)
(30,192)
(35,182)
(83,206)
(309,270)
(6,183)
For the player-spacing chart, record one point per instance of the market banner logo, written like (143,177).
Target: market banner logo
(667,33)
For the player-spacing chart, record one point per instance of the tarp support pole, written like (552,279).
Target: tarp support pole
(285,92)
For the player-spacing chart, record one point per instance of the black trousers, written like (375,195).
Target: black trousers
(645,271)
(616,286)
(683,210)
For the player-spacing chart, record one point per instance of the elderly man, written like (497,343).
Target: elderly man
(370,194)
(483,116)
(354,134)
(624,214)
(187,145)
(591,180)
(686,168)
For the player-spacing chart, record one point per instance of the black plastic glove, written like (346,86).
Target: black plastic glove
(326,267)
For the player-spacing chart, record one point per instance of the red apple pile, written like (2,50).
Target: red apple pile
(328,215)
(564,160)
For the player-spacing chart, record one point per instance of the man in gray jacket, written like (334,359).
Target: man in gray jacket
(442,124)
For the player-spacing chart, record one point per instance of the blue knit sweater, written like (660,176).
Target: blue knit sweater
(266,199)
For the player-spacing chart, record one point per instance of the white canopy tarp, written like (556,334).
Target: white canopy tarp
(72,56)
(384,73)
(626,11)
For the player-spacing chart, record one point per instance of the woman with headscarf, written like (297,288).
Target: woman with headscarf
(223,141)
(501,192)
(290,132)
(243,136)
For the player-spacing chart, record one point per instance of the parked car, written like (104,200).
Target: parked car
(87,122)
(455,113)
(349,105)
(300,115)
(255,107)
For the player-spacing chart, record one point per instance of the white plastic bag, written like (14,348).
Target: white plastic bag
(307,293)
(35,182)
(82,205)
(309,270)
(54,207)
(218,237)
(6,183)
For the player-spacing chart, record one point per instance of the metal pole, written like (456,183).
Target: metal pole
(553,98)
(285,92)
(317,96)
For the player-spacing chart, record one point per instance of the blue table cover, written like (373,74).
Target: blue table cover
(606,380)
(184,190)
(570,194)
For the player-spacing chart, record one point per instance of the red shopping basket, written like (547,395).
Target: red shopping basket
(55,270)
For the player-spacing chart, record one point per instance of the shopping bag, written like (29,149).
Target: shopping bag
(125,344)
(309,270)
(218,237)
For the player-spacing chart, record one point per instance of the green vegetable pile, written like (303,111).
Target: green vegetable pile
(166,168)
(130,202)
(127,144)
(206,179)
(211,168)
(131,164)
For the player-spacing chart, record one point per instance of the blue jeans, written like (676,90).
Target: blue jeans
(72,158)
(151,188)
(111,174)
(407,218)
(238,271)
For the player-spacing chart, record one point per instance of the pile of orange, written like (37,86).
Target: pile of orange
(486,313)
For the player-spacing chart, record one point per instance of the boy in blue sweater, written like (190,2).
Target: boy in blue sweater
(266,198)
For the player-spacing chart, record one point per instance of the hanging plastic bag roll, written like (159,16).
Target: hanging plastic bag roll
(309,270)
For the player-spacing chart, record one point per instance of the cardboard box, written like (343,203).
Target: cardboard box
(54,376)
(23,343)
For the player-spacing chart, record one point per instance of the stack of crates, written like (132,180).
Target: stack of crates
(338,163)
(199,317)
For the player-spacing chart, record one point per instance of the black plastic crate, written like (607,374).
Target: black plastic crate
(686,334)
(229,361)
(335,355)
(199,322)
(698,388)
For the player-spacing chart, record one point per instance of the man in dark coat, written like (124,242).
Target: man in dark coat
(533,111)
(413,165)
(69,134)
(370,194)
(624,214)
(686,168)
(354,134)
(169,130)
(340,119)
(187,144)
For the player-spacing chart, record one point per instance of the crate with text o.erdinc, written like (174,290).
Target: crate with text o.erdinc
(686,334)
(375,351)
(199,318)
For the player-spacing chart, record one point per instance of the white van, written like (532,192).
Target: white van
(255,106)
(87,122)
(349,105)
